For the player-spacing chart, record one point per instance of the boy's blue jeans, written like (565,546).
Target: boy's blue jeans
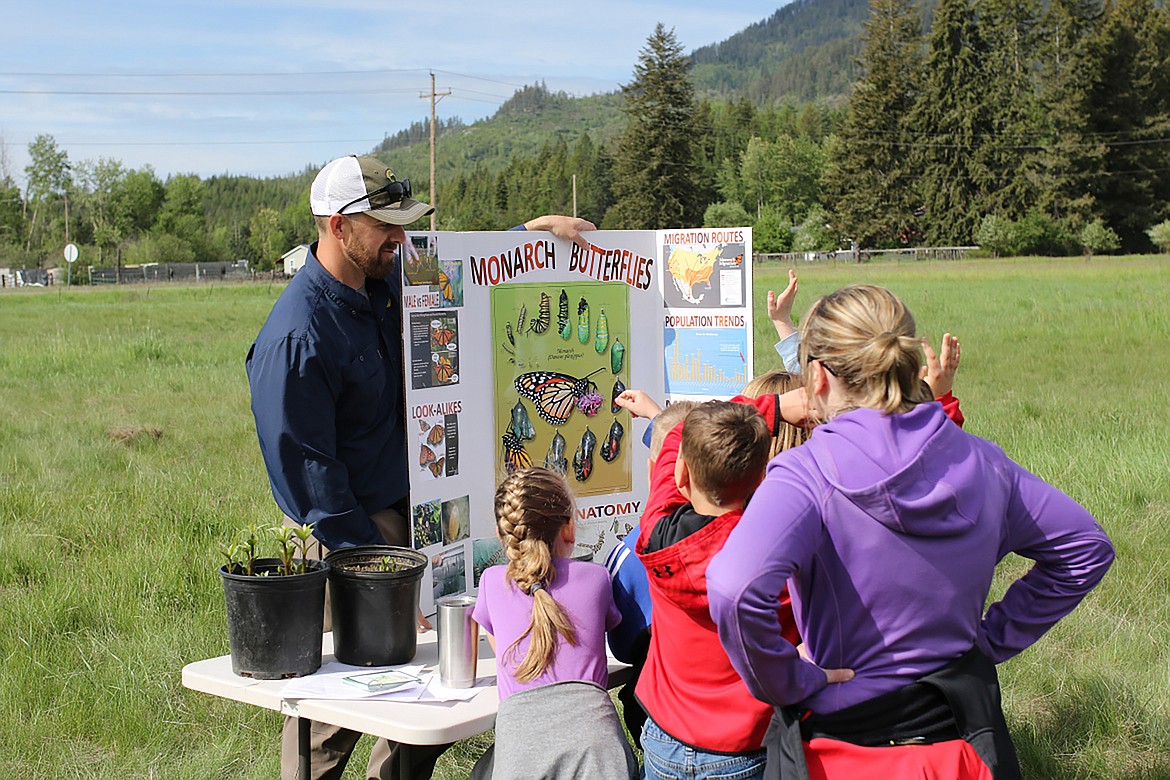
(665,758)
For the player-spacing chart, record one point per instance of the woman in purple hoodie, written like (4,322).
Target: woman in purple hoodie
(887,526)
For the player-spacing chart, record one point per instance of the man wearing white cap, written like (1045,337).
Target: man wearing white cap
(326,376)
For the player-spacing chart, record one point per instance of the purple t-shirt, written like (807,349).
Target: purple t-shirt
(583,591)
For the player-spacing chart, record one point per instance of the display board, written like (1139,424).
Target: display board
(516,344)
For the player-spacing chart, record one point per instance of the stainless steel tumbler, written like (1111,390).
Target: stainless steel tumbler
(458,641)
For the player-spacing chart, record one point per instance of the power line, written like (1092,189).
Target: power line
(201,93)
(254,74)
(209,143)
(298,74)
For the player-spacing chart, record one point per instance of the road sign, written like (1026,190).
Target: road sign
(71,252)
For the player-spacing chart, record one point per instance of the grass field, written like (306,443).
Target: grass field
(108,545)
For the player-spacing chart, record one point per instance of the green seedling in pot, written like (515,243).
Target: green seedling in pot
(242,554)
(285,548)
(237,558)
(305,540)
(388,564)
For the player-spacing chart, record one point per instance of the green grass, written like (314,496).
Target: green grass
(109,549)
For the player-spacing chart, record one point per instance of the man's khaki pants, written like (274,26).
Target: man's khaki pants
(331,745)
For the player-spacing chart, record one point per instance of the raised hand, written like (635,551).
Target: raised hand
(780,307)
(939,371)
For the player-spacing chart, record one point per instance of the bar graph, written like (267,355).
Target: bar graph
(705,361)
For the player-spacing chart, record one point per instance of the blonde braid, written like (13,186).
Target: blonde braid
(531,508)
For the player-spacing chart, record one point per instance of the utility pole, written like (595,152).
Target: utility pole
(574,195)
(433,95)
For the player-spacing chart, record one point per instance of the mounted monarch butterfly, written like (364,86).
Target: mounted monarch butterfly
(445,287)
(443,369)
(442,335)
(515,456)
(425,455)
(436,435)
(555,395)
(540,324)
(436,467)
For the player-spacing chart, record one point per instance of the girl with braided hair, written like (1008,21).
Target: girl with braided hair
(546,616)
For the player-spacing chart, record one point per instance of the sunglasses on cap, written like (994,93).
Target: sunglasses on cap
(393,193)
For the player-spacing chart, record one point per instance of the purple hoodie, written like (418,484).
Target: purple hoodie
(887,529)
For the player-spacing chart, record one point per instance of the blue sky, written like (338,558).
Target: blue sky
(312,80)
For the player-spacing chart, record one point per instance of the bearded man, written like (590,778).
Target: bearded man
(326,375)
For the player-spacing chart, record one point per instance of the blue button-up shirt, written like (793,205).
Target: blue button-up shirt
(327,394)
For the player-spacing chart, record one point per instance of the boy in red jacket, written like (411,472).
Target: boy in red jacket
(703,722)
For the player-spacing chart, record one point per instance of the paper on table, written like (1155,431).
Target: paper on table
(436,691)
(328,682)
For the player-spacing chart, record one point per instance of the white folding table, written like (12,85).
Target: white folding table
(407,722)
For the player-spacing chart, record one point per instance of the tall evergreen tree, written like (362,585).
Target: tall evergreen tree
(1008,28)
(870,183)
(655,164)
(1130,113)
(950,121)
(1071,156)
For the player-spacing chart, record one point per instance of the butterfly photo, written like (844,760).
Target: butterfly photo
(441,334)
(425,456)
(445,287)
(436,434)
(436,467)
(555,395)
(444,369)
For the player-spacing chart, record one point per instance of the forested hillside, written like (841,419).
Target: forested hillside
(805,51)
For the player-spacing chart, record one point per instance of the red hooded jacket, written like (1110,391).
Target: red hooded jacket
(688,685)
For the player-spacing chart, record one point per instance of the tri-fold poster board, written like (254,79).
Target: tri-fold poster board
(516,344)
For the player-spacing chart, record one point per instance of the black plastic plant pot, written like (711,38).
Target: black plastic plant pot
(373,594)
(275,621)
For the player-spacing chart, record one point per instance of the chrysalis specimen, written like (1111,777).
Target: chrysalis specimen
(521,426)
(613,442)
(617,354)
(555,459)
(583,459)
(618,389)
(602,340)
(583,321)
(563,326)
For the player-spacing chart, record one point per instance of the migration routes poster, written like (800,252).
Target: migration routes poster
(516,344)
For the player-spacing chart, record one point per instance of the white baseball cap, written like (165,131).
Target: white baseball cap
(353,185)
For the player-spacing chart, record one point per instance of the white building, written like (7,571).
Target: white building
(294,259)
